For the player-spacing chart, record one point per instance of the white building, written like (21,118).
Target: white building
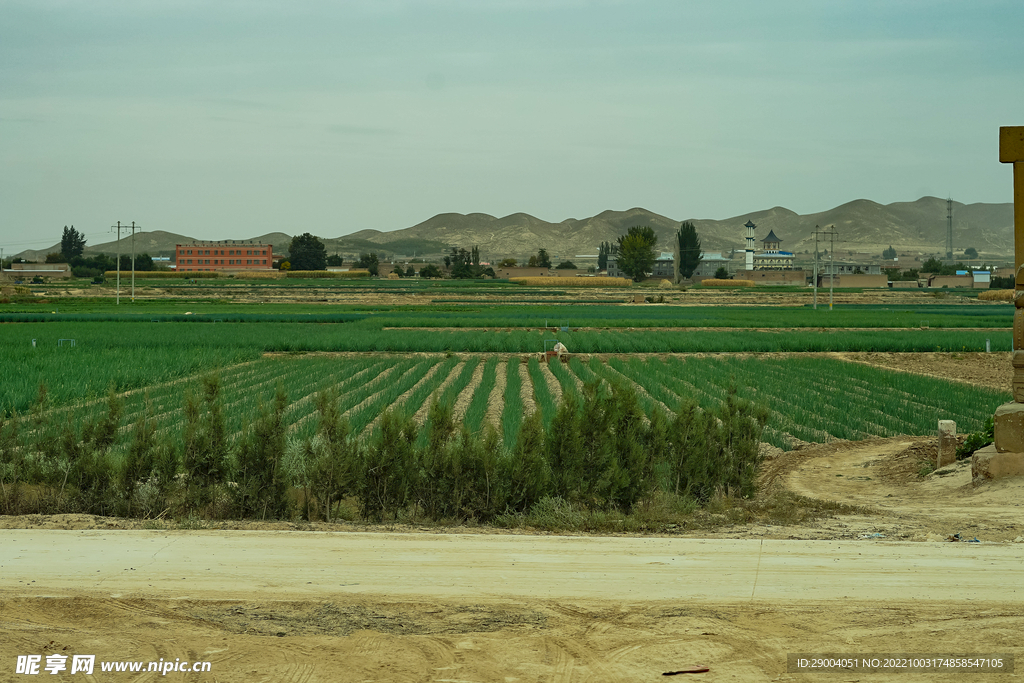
(773,258)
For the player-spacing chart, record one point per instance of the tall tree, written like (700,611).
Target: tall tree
(72,243)
(543,260)
(889,253)
(369,261)
(636,252)
(688,253)
(307,252)
(461,263)
(603,252)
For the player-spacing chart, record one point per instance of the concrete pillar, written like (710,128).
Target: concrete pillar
(1011,151)
(947,443)
(1005,458)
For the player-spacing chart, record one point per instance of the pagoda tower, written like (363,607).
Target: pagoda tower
(750,245)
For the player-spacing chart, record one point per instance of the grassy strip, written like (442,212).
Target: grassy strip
(477,409)
(512,413)
(541,394)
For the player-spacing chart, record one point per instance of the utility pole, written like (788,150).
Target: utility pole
(133,228)
(815,267)
(831,265)
(133,262)
(830,233)
(949,229)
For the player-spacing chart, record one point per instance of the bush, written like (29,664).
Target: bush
(164,275)
(260,488)
(327,274)
(976,440)
(86,272)
(714,282)
(573,281)
(599,460)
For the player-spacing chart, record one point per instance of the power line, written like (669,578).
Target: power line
(831,233)
(133,228)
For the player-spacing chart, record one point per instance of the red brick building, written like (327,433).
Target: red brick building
(225,255)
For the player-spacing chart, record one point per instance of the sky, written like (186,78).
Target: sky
(233,119)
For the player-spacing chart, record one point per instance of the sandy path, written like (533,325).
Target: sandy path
(554,387)
(941,504)
(526,392)
(496,401)
(465,396)
(226,565)
(421,413)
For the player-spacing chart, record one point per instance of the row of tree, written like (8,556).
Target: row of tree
(635,252)
(600,453)
(890,253)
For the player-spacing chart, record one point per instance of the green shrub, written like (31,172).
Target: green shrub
(976,440)
(260,486)
(333,456)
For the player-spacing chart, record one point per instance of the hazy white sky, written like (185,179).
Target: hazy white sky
(231,119)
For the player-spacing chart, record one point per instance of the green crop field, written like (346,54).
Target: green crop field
(126,354)
(446,395)
(809,399)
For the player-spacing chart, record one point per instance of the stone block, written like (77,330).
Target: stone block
(988,463)
(947,443)
(1009,428)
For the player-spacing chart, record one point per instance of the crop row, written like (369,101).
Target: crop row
(79,360)
(810,399)
(517,313)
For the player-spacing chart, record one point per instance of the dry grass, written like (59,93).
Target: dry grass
(327,274)
(166,274)
(573,281)
(712,282)
(258,275)
(996,295)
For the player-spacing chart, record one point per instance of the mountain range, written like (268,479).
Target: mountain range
(914,228)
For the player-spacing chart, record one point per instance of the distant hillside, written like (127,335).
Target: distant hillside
(864,226)
(917,228)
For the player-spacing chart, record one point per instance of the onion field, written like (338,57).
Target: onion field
(85,359)
(809,399)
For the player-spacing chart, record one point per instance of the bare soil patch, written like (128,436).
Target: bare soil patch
(983,369)
(444,640)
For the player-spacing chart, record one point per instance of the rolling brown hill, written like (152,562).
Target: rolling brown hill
(915,228)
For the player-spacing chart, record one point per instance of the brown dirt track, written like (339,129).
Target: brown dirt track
(550,624)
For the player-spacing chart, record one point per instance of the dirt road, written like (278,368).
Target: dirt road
(302,566)
(286,606)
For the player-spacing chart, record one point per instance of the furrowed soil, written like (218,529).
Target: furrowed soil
(893,573)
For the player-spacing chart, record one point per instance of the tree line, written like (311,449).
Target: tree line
(635,252)
(600,453)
